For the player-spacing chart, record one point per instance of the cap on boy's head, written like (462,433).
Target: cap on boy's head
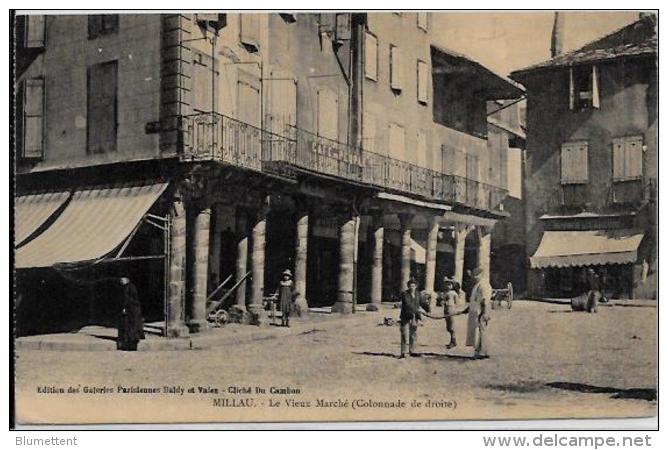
(477,272)
(411,281)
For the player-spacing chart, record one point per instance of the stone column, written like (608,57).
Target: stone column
(200,270)
(406,221)
(175,312)
(377,262)
(301,247)
(258,241)
(214,248)
(430,269)
(460,233)
(484,250)
(242,256)
(347,243)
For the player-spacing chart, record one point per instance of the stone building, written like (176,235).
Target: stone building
(190,151)
(592,165)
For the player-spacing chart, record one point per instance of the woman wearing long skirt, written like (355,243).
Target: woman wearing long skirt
(285,295)
(131,322)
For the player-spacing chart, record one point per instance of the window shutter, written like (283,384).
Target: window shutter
(633,157)
(202,74)
(370,56)
(583,162)
(343,27)
(248,101)
(595,97)
(35,31)
(282,108)
(328,114)
(369,132)
(618,159)
(421,148)
(102,118)
(397,140)
(396,81)
(423,82)
(249,33)
(33,118)
(571,89)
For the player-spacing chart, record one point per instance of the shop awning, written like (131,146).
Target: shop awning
(586,248)
(92,225)
(31,211)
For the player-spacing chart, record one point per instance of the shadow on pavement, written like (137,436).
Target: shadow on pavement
(430,355)
(648,394)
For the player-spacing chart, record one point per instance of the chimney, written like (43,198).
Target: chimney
(557,44)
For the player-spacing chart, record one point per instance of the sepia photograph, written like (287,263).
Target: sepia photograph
(334,216)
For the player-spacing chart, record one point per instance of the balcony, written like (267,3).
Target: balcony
(215,137)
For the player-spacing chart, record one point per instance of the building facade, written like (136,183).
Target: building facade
(205,153)
(591,180)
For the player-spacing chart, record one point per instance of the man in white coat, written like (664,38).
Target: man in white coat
(479,309)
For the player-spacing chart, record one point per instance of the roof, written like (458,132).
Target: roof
(636,39)
(497,86)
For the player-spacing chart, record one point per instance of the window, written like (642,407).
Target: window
(422,82)
(583,88)
(397,138)
(248,103)
(31,137)
(203,93)
(34,32)
(423,20)
(102,107)
(328,114)
(627,158)
(288,17)
(370,56)
(282,103)
(421,148)
(102,25)
(249,31)
(574,163)
(369,132)
(396,71)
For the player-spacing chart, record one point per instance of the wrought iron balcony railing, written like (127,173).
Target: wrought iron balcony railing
(221,138)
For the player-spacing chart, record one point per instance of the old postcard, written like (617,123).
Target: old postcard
(295,216)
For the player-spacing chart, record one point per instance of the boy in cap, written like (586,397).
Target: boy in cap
(449,300)
(409,317)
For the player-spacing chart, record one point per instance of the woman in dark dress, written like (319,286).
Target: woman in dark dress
(131,322)
(285,296)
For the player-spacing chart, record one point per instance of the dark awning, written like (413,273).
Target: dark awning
(92,225)
(586,248)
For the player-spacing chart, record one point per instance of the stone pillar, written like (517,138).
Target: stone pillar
(377,262)
(432,242)
(175,312)
(200,270)
(406,221)
(460,233)
(347,243)
(258,241)
(215,249)
(301,250)
(484,250)
(242,256)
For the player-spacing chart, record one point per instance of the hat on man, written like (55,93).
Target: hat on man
(447,280)
(287,272)
(410,281)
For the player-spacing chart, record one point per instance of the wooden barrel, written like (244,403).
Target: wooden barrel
(579,303)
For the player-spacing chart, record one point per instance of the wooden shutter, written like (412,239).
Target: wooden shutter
(370,56)
(567,158)
(35,31)
(574,162)
(595,97)
(583,162)
(618,159)
(248,103)
(282,103)
(249,33)
(396,71)
(633,157)
(369,132)
(571,89)
(328,114)
(397,140)
(203,95)
(102,107)
(423,82)
(33,118)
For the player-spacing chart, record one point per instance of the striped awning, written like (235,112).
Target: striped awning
(31,211)
(92,225)
(586,248)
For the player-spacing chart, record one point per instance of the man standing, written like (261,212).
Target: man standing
(594,293)
(479,309)
(449,300)
(409,317)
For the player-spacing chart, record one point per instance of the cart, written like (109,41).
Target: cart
(502,295)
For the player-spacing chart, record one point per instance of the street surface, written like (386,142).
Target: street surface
(547,362)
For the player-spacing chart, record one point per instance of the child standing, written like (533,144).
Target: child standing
(449,300)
